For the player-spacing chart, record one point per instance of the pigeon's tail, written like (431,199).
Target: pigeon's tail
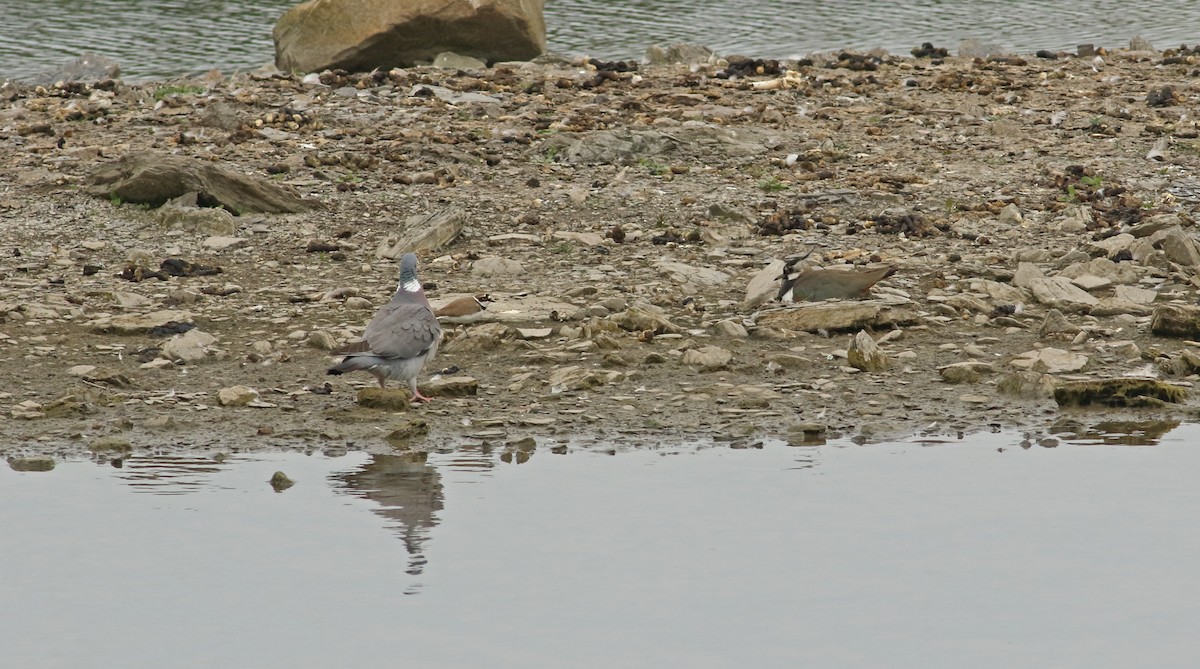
(354,363)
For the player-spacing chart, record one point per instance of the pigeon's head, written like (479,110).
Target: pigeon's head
(408,273)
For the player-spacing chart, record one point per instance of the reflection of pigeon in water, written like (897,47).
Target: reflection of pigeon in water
(822,284)
(402,336)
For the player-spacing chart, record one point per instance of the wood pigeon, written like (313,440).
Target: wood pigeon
(400,339)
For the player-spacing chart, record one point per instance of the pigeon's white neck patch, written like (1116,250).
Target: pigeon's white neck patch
(411,286)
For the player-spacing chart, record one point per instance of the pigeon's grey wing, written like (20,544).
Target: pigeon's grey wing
(402,330)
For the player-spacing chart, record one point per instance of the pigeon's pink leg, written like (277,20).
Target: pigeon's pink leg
(418,396)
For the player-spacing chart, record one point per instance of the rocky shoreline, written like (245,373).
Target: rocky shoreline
(627,225)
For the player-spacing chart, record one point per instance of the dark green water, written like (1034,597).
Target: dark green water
(978,554)
(166,38)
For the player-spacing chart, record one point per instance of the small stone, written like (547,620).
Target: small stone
(407,429)
(28,410)
(1180,248)
(638,319)
(204,220)
(865,354)
(384,399)
(965,372)
(614,304)
(1011,215)
(1051,361)
(732,329)
(1056,323)
(788,360)
(236,396)
(522,444)
(262,347)
(585,238)
(280,482)
(1091,282)
(321,340)
(572,378)
(1027,385)
(1025,274)
(127,300)
(682,273)
(708,358)
(223,243)
(191,347)
(31,463)
(494,266)
(81,370)
(806,434)
(109,377)
(110,445)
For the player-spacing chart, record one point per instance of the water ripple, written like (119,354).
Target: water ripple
(166,38)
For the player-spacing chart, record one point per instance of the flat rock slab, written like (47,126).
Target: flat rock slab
(450,386)
(426,232)
(585,238)
(516,309)
(684,273)
(151,178)
(134,324)
(1051,361)
(764,285)
(1059,292)
(1136,295)
(835,316)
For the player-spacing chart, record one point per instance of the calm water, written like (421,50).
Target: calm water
(165,38)
(980,554)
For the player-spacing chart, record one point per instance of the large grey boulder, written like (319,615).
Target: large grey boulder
(361,35)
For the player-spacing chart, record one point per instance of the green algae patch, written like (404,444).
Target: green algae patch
(1119,393)
(386,399)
